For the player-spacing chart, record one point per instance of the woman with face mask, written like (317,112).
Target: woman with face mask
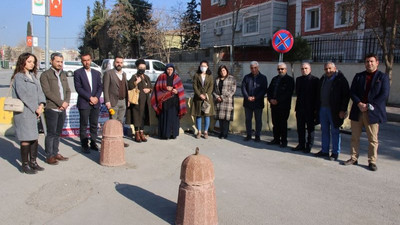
(138,114)
(203,106)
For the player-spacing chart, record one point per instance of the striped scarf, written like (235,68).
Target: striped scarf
(161,94)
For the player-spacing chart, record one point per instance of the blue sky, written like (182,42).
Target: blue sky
(64,31)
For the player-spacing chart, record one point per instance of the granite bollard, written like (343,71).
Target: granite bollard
(197,203)
(112,144)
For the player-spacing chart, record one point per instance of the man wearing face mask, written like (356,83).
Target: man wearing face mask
(138,114)
(116,91)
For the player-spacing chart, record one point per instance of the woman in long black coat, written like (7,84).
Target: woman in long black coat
(138,114)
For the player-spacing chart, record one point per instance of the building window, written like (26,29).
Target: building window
(343,12)
(250,25)
(223,23)
(313,19)
(214,2)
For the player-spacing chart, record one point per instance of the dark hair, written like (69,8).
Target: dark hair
(208,72)
(140,61)
(85,54)
(118,57)
(220,70)
(55,54)
(20,67)
(370,55)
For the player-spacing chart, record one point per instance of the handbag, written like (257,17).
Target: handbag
(13,104)
(206,106)
(133,96)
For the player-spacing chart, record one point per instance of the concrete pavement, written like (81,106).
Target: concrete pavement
(255,184)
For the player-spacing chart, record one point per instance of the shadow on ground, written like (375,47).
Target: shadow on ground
(159,206)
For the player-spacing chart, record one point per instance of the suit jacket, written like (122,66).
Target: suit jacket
(254,86)
(284,92)
(307,94)
(111,87)
(377,96)
(49,82)
(338,98)
(83,89)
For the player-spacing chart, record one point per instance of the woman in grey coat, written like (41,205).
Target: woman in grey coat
(224,90)
(26,87)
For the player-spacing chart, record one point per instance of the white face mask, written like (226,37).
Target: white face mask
(203,69)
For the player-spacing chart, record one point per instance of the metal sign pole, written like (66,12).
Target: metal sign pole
(47,15)
(280,57)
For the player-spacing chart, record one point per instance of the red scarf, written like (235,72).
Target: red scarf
(161,94)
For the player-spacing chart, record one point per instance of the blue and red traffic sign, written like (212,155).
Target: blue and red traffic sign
(282,41)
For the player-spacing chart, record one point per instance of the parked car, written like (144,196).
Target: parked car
(42,66)
(153,67)
(70,66)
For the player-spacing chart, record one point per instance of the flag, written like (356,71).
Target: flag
(38,7)
(56,8)
(29,41)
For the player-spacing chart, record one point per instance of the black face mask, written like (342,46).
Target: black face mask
(140,71)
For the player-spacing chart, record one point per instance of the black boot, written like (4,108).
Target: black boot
(24,158)
(33,155)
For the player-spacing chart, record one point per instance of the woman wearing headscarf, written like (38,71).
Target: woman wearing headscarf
(203,84)
(168,101)
(27,88)
(224,90)
(138,114)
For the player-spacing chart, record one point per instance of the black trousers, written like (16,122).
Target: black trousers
(88,115)
(279,122)
(304,120)
(249,116)
(54,124)
(224,127)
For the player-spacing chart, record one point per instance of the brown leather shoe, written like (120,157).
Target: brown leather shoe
(137,137)
(126,145)
(52,160)
(61,158)
(142,136)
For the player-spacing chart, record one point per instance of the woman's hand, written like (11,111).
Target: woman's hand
(202,96)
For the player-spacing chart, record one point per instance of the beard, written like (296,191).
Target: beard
(118,68)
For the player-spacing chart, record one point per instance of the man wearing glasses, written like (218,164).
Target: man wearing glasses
(254,87)
(306,108)
(280,97)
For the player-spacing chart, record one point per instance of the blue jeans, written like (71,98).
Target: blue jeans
(206,123)
(328,129)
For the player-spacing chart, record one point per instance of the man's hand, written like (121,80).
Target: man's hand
(273,101)
(108,105)
(362,106)
(94,100)
(64,106)
(251,98)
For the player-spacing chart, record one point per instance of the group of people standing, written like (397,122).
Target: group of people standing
(320,101)
(323,101)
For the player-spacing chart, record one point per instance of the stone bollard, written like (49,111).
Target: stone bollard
(112,144)
(197,204)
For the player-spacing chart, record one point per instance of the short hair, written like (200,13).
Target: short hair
(306,63)
(85,54)
(282,64)
(330,63)
(56,54)
(220,70)
(370,55)
(118,57)
(254,63)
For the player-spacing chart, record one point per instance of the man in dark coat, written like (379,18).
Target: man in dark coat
(279,94)
(254,88)
(56,89)
(369,92)
(89,88)
(306,107)
(334,99)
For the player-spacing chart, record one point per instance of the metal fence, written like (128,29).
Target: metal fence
(347,49)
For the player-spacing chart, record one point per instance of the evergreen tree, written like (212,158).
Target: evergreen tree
(191,26)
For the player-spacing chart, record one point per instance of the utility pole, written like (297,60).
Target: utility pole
(47,15)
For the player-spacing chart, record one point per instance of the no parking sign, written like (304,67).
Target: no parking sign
(282,41)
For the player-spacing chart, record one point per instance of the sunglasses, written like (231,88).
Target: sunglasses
(280,69)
